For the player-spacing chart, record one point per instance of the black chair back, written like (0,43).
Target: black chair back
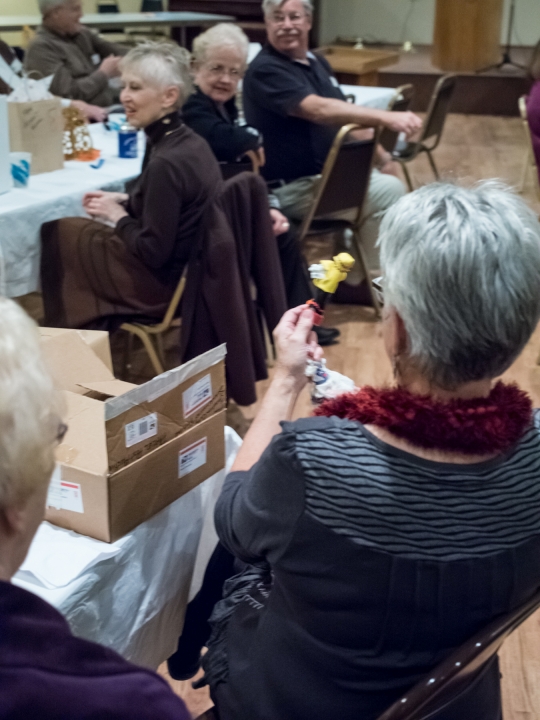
(454,675)
(438,109)
(152,6)
(401,103)
(229,170)
(346,182)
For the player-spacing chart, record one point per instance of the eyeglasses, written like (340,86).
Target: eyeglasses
(279,19)
(377,285)
(61,432)
(220,70)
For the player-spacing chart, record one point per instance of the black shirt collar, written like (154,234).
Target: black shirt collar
(271,50)
(158,129)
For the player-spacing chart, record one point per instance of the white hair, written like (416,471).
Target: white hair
(462,268)
(220,36)
(29,408)
(160,64)
(268,6)
(46,5)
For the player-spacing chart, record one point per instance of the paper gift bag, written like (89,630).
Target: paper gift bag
(38,128)
(5,172)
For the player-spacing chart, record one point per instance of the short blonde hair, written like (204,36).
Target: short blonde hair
(30,408)
(161,64)
(219,36)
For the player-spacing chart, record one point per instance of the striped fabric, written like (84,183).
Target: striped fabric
(386,499)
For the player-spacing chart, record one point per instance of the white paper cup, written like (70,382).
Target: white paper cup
(21,164)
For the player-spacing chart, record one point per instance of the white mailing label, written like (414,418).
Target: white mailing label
(140,430)
(192,457)
(195,397)
(64,495)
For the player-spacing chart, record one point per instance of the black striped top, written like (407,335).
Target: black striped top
(381,563)
(385,498)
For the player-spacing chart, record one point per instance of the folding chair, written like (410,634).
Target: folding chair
(530,161)
(399,103)
(249,162)
(432,128)
(147,331)
(343,186)
(454,676)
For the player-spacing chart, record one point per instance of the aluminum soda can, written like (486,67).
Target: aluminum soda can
(127,141)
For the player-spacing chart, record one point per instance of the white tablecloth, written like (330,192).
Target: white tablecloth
(374,97)
(51,196)
(130,595)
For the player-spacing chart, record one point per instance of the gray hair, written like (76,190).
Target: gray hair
(46,5)
(269,6)
(462,268)
(160,64)
(29,408)
(220,36)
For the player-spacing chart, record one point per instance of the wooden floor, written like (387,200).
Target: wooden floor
(473,148)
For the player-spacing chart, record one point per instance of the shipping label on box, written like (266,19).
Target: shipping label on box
(147,416)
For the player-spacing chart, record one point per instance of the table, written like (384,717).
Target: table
(51,196)
(358,66)
(10,23)
(130,595)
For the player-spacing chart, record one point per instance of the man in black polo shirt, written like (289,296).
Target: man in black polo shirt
(294,100)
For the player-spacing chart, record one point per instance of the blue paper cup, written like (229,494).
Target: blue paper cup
(21,163)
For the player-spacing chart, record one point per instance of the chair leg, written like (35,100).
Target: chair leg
(363,263)
(149,347)
(269,347)
(433,166)
(160,348)
(525,173)
(128,349)
(407,176)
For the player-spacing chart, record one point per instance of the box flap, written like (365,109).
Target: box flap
(163,383)
(84,445)
(109,388)
(97,340)
(71,361)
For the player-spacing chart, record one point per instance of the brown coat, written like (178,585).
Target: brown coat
(74,62)
(218,305)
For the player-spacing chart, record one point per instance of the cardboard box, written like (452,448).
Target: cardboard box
(97,341)
(130,450)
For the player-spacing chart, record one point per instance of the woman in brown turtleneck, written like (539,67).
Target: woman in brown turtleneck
(94,275)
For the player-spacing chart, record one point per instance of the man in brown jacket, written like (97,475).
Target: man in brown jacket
(81,62)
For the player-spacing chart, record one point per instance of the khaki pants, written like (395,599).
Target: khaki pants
(384,190)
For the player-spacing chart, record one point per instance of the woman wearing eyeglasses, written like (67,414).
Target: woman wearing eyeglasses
(220,59)
(385,532)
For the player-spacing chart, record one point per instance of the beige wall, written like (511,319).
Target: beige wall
(30,7)
(386,19)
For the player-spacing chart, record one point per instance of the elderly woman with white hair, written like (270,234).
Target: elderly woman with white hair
(46,672)
(93,274)
(219,63)
(81,62)
(390,528)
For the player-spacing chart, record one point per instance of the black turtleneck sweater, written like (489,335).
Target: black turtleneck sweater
(180,177)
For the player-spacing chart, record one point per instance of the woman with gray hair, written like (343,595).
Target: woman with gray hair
(95,274)
(46,672)
(386,531)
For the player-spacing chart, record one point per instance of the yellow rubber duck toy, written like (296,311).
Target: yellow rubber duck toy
(335,270)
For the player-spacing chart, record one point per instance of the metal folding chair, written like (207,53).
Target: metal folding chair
(343,186)
(399,103)
(454,676)
(432,129)
(147,331)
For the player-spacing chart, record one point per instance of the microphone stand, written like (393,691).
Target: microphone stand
(506,59)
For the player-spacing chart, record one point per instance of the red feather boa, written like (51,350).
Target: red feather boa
(476,427)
